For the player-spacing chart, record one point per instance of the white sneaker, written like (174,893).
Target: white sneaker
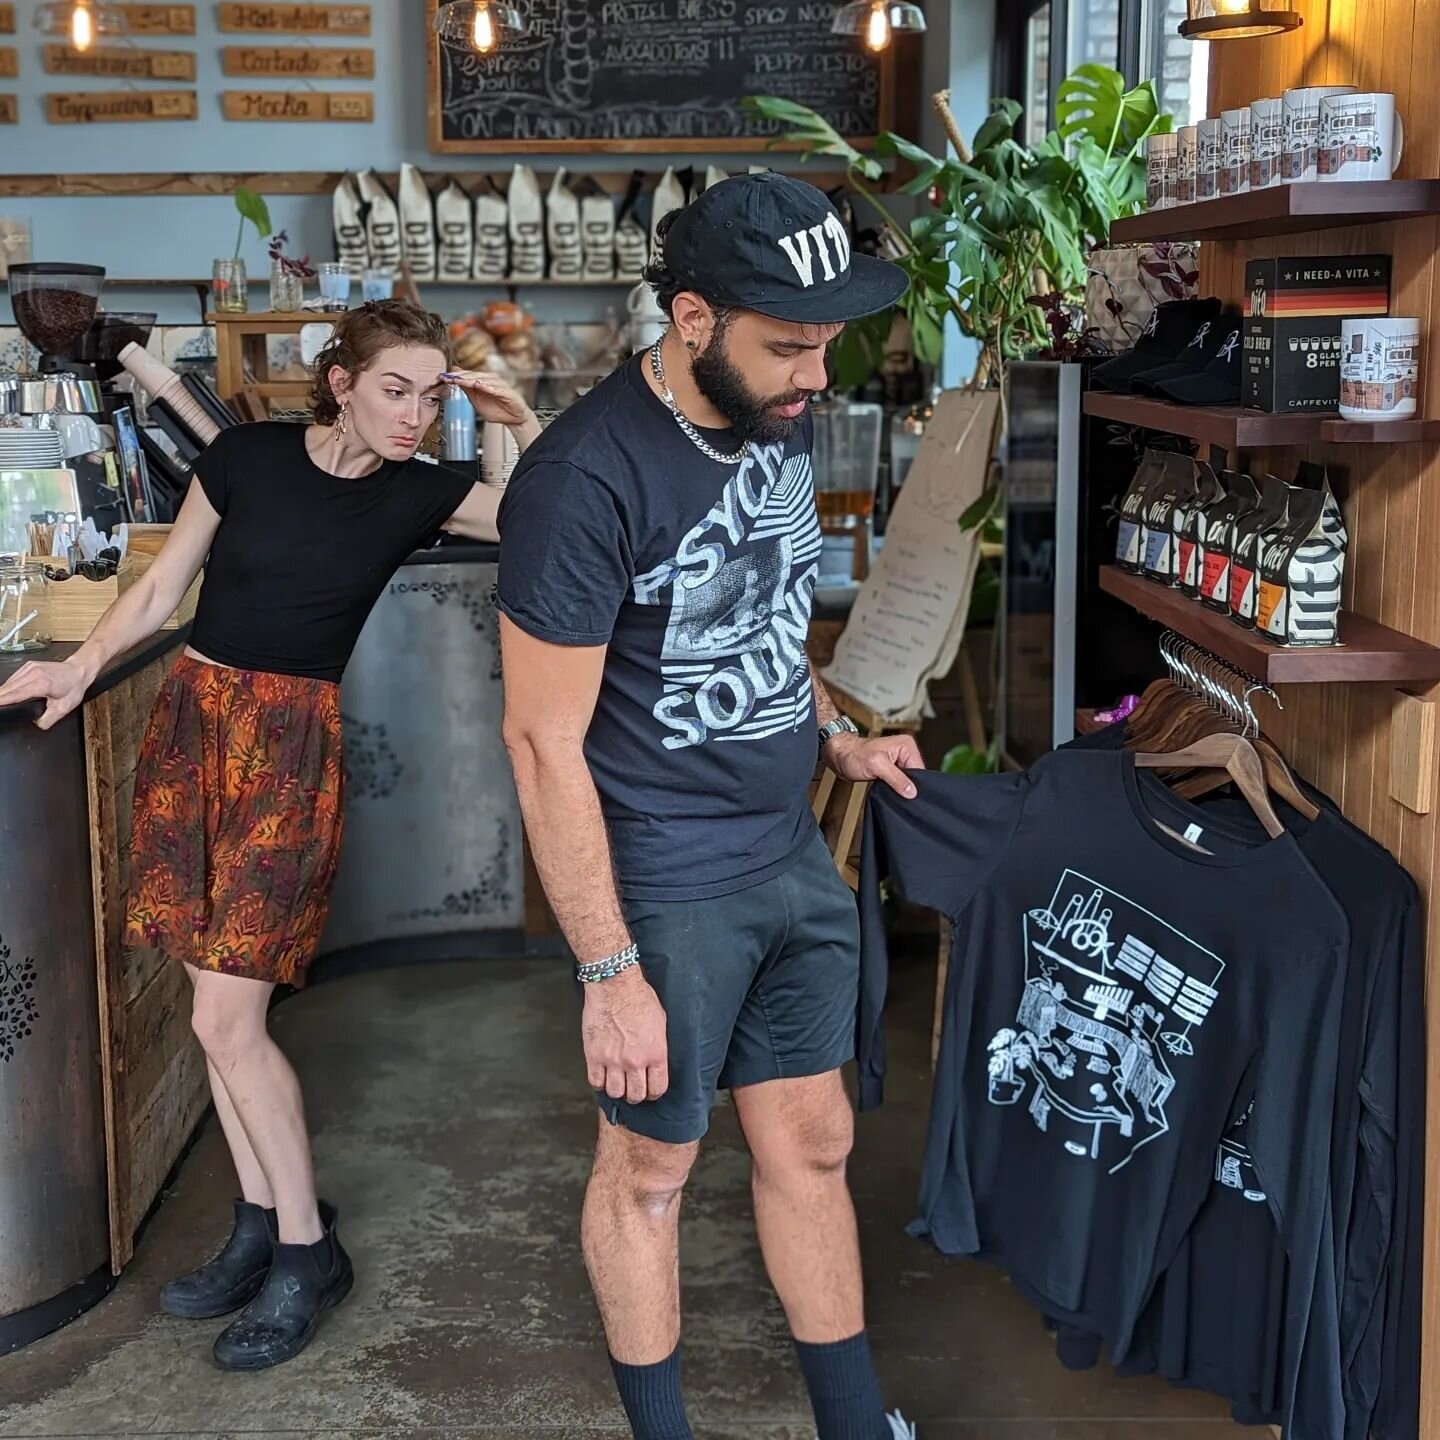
(900,1428)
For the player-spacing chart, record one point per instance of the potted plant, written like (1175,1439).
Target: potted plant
(287,276)
(228,284)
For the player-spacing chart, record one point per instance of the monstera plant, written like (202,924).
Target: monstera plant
(1004,221)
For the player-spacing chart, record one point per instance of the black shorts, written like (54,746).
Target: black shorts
(759,985)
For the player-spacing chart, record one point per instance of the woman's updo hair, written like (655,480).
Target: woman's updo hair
(362,335)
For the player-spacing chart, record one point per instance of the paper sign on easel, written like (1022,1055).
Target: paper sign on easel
(909,618)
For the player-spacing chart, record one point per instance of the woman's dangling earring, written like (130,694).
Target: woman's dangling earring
(340,419)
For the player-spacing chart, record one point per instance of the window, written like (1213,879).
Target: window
(1179,67)
(1093,33)
(1037,75)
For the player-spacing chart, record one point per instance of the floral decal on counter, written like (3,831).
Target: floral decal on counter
(18,1011)
(372,768)
(491,891)
(476,600)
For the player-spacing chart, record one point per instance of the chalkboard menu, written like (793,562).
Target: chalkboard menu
(653,75)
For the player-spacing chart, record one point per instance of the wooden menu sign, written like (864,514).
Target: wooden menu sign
(252,19)
(159,19)
(297,105)
(9,62)
(107,106)
(9,110)
(308,61)
(7,19)
(121,64)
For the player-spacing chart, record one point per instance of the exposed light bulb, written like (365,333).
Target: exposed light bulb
(877,29)
(484,34)
(82,28)
(1232,7)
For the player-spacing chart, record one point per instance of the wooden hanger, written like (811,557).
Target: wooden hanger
(1236,757)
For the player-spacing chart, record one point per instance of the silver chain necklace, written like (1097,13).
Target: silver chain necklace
(698,440)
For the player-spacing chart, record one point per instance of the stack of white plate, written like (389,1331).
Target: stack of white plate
(30,450)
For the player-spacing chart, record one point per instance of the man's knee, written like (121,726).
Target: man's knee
(640,1173)
(799,1127)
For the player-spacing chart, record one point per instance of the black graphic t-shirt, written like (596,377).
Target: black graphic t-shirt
(1115,1002)
(617,530)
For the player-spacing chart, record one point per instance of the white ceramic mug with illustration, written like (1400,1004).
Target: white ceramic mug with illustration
(1185,164)
(1235,158)
(1300,157)
(1379,368)
(1209,155)
(1361,136)
(1267,141)
(1162,155)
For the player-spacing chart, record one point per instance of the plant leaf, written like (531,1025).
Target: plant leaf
(252,207)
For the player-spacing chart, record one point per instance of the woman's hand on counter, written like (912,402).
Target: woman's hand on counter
(497,401)
(61,684)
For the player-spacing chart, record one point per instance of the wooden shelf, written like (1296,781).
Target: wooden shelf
(1284,210)
(1367,651)
(163,283)
(1230,426)
(1378,432)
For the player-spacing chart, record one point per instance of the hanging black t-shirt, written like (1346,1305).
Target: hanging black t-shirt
(1377,1153)
(1115,1002)
(301,555)
(617,530)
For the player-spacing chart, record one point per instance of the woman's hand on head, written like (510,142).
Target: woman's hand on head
(494,399)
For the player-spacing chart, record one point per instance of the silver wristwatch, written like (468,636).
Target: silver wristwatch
(840,725)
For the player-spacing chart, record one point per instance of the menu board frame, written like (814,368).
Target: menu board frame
(440,144)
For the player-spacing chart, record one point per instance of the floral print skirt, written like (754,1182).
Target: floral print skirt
(235,834)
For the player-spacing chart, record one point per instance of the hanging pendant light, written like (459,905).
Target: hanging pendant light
(877,21)
(1238,19)
(478,24)
(81,22)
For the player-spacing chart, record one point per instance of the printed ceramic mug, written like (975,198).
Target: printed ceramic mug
(1361,137)
(1161,159)
(1209,156)
(1379,368)
(1267,141)
(1185,164)
(1235,157)
(1300,157)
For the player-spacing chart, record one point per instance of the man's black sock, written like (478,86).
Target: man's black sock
(652,1400)
(844,1389)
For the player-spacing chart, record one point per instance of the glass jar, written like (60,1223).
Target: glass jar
(846,461)
(287,290)
(335,285)
(229,290)
(24,606)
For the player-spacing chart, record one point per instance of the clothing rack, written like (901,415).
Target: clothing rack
(1224,687)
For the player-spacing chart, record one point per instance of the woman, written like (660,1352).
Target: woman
(238,790)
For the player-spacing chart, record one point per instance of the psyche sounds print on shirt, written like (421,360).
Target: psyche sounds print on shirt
(1112,994)
(738,588)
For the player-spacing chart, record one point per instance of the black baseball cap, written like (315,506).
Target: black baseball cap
(1219,382)
(1169,330)
(773,244)
(1204,346)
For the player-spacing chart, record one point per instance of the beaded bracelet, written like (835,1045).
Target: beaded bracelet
(609,967)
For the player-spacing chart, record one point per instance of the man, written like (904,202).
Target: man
(659,553)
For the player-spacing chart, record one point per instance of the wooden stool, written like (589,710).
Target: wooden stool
(241,347)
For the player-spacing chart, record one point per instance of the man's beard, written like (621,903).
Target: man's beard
(719,380)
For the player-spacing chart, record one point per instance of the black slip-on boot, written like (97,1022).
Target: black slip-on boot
(304,1282)
(233,1277)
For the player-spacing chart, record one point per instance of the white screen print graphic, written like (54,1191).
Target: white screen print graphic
(1113,995)
(733,665)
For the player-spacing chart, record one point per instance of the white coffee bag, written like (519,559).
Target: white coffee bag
(382,221)
(455,222)
(351,247)
(631,240)
(417,223)
(527,225)
(562,229)
(669,195)
(714,175)
(492,232)
(597,230)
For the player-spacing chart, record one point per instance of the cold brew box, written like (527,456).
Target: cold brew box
(1293,310)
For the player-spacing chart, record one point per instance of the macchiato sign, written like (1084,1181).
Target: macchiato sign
(120,64)
(159,19)
(248,19)
(297,105)
(9,62)
(119,106)
(9,110)
(301,61)
(7,19)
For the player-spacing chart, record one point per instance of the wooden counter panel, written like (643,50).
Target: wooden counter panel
(155,1083)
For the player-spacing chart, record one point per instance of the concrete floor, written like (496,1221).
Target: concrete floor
(452,1127)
